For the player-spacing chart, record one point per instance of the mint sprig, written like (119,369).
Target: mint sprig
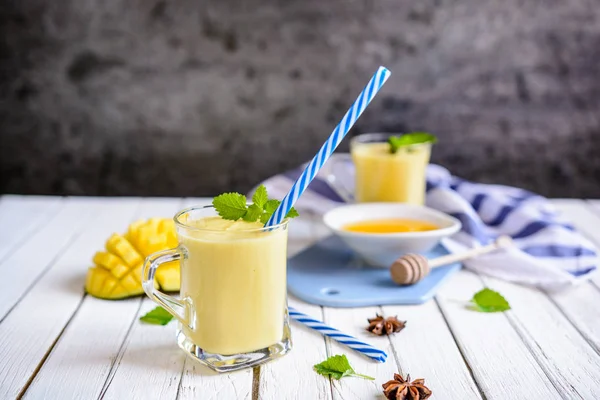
(338,367)
(409,139)
(260,197)
(233,206)
(488,300)
(158,316)
(253,213)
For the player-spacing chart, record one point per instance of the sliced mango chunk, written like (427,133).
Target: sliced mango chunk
(116,273)
(169,276)
(121,247)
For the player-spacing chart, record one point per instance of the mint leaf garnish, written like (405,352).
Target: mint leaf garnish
(292,213)
(409,139)
(230,205)
(253,214)
(233,206)
(260,197)
(264,218)
(338,367)
(271,206)
(488,300)
(158,316)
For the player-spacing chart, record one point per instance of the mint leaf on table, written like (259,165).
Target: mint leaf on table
(338,367)
(409,139)
(158,316)
(231,205)
(260,197)
(488,300)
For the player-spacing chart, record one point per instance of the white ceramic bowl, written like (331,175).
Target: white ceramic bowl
(381,249)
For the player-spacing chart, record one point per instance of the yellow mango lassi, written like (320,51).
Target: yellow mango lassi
(385,177)
(234,275)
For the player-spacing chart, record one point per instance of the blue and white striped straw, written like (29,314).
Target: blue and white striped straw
(352,342)
(340,131)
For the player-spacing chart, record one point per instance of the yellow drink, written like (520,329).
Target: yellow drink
(235,276)
(385,177)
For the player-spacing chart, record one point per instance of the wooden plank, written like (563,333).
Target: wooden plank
(353,321)
(23,266)
(579,304)
(86,350)
(30,331)
(96,333)
(151,362)
(21,216)
(426,349)
(292,376)
(565,356)
(199,382)
(416,351)
(491,345)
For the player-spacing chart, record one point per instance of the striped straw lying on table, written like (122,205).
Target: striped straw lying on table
(352,342)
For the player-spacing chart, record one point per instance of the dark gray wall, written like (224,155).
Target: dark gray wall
(188,97)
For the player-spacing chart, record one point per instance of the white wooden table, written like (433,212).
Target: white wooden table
(58,343)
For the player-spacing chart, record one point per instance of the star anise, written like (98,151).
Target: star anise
(385,326)
(401,389)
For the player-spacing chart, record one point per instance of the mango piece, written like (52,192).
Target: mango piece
(116,273)
(169,277)
(111,263)
(121,247)
(100,283)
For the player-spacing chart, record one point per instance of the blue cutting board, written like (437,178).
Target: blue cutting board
(330,274)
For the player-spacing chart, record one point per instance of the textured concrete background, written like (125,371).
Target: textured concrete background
(188,97)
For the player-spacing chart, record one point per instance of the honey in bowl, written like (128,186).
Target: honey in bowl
(390,225)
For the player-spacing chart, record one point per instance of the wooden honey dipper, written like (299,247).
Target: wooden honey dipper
(411,268)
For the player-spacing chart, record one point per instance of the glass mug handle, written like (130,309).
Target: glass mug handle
(329,173)
(180,309)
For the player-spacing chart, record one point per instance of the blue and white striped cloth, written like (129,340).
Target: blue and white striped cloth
(549,253)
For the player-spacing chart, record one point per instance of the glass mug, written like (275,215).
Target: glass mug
(381,176)
(232,309)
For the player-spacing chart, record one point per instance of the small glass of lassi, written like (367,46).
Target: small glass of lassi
(232,308)
(384,175)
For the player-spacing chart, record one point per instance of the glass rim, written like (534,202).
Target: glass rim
(380,137)
(195,228)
